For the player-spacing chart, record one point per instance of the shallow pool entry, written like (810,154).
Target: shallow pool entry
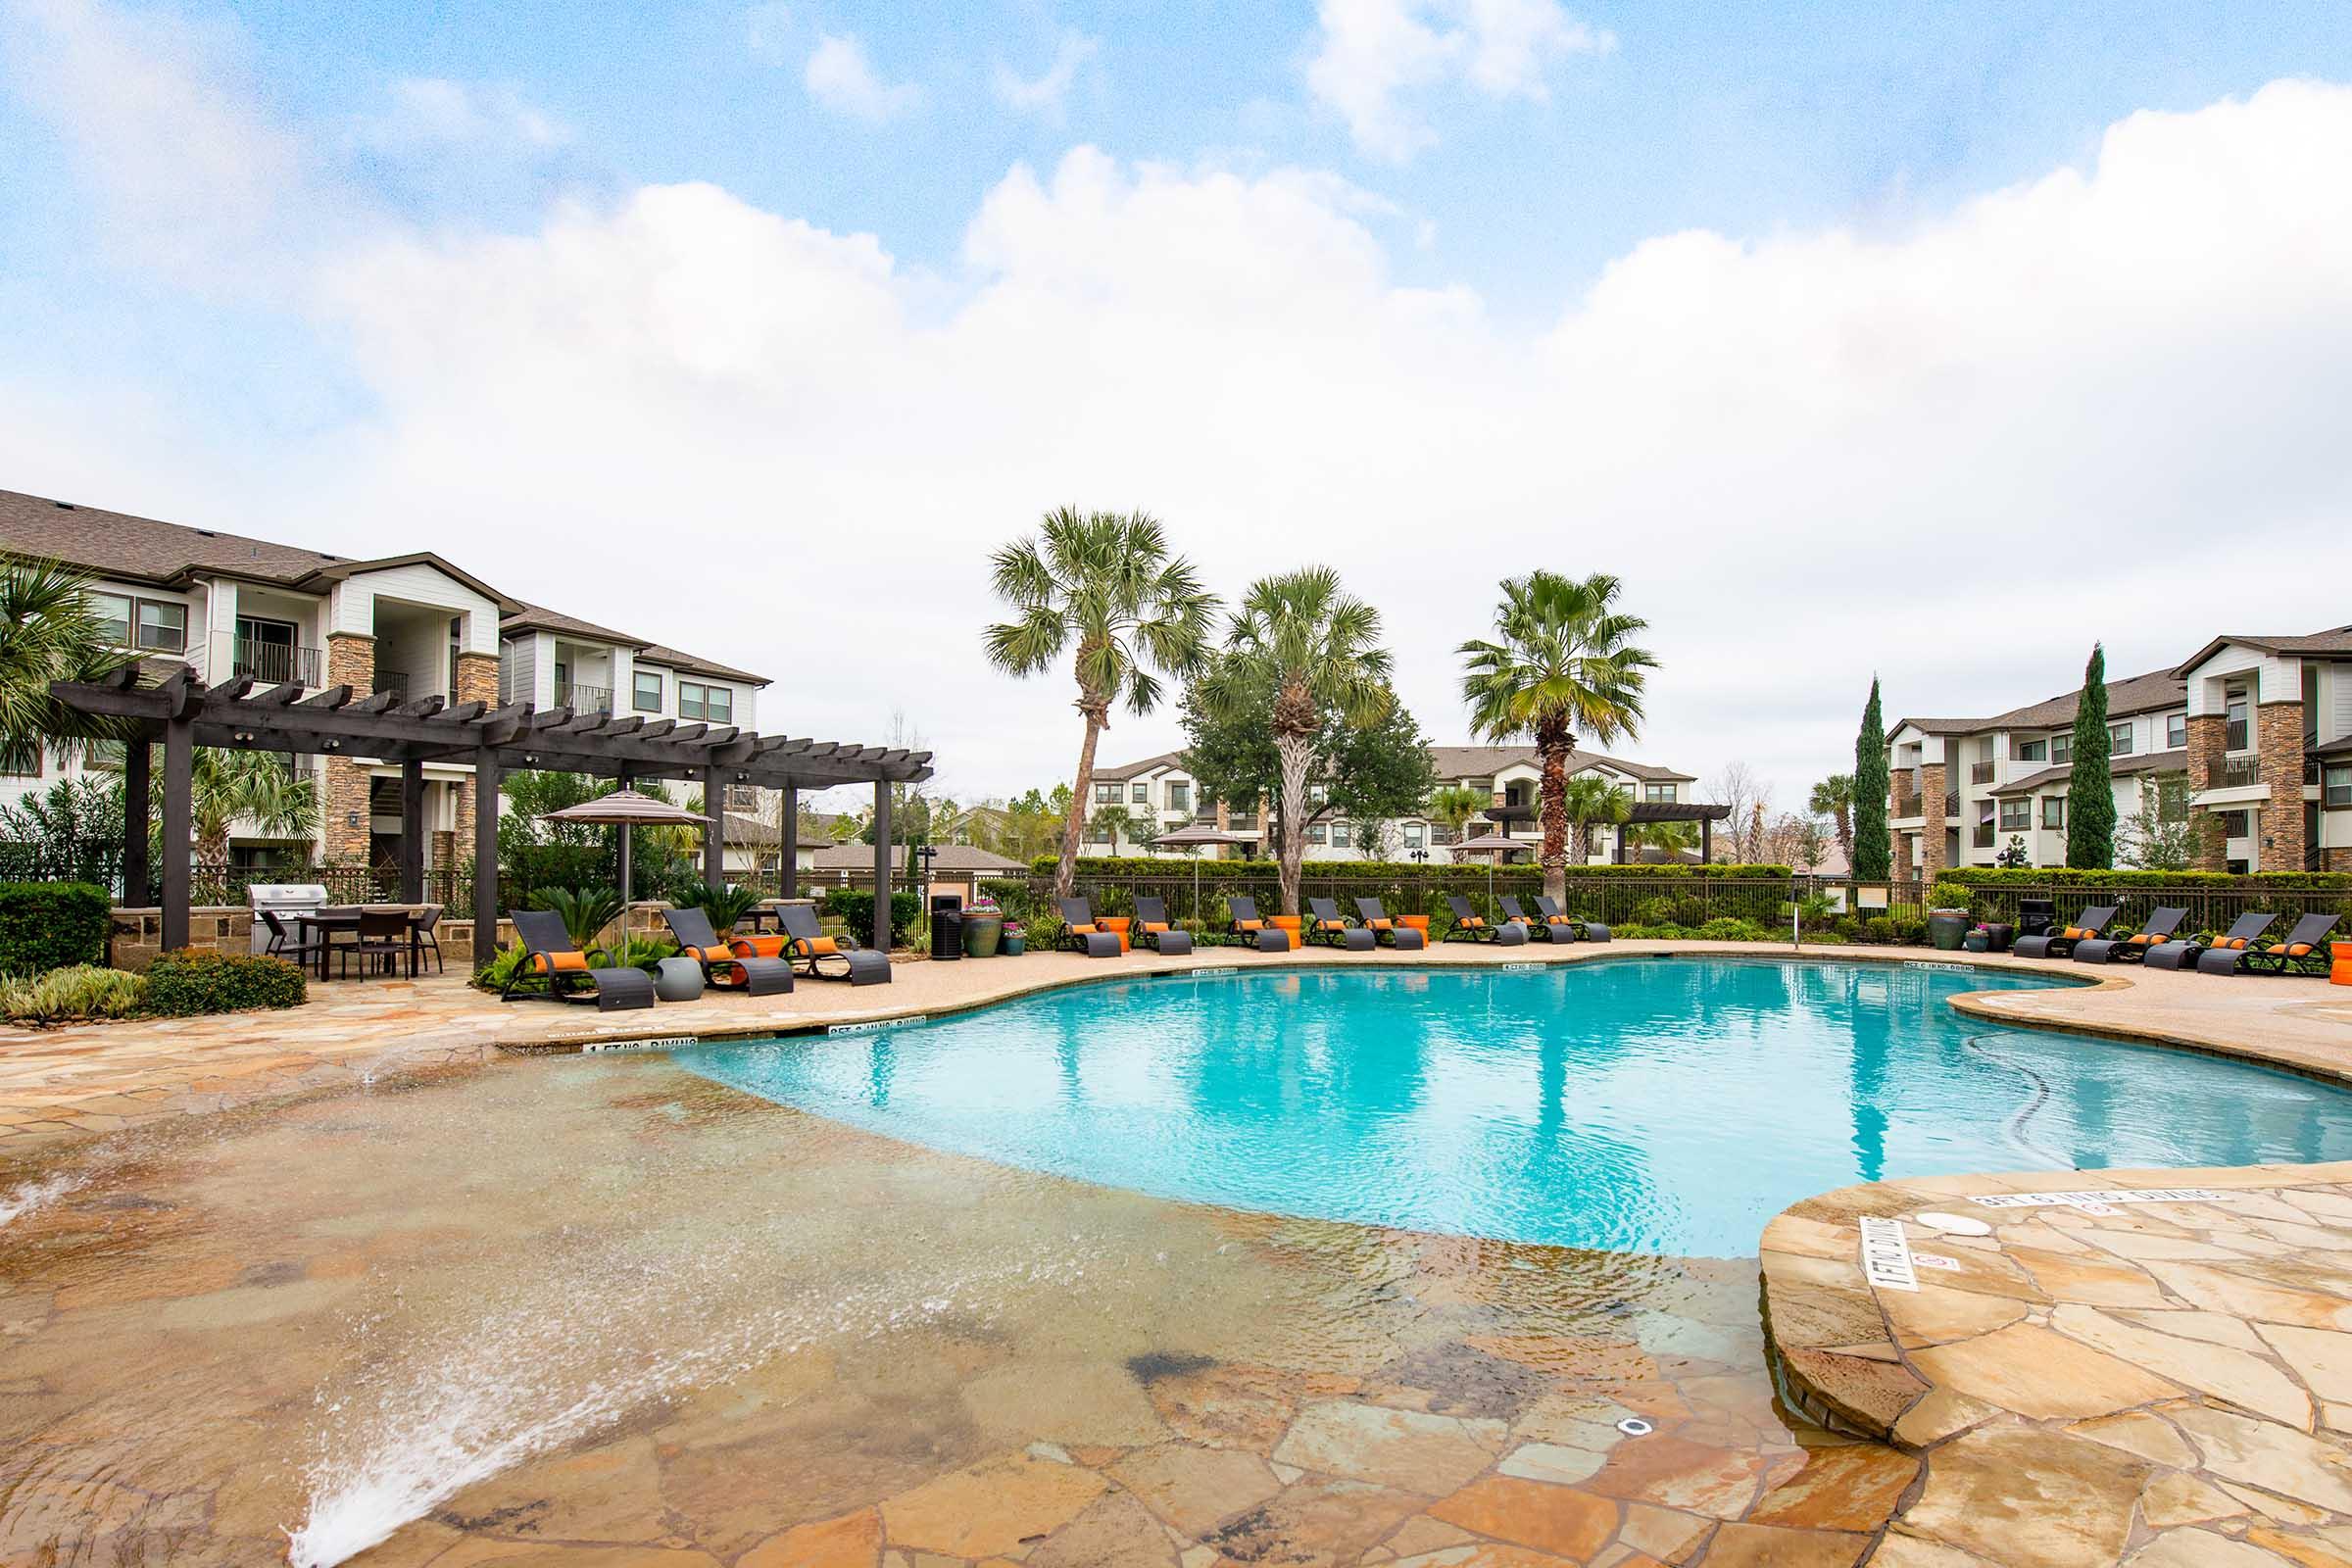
(1666,1106)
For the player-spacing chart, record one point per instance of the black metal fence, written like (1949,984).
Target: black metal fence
(2211,905)
(93,860)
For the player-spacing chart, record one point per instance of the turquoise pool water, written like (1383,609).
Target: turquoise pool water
(1668,1104)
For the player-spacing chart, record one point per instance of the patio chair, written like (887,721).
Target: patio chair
(1334,929)
(1246,922)
(1395,933)
(2303,950)
(566,968)
(1154,930)
(2090,925)
(2242,934)
(804,942)
(1471,926)
(423,938)
(383,934)
(1081,934)
(1536,929)
(1585,930)
(2136,948)
(283,943)
(739,967)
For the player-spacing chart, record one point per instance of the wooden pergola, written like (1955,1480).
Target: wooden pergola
(182,714)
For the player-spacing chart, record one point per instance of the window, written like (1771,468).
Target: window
(1180,796)
(1338,835)
(2016,816)
(2175,731)
(1414,835)
(1095,833)
(1314,834)
(159,625)
(1659,793)
(2339,785)
(1141,795)
(2062,748)
(2172,798)
(1106,794)
(114,616)
(2033,750)
(2119,737)
(2235,735)
(647,693)
(712,703)
(2053,812)
(2237,824)
(21,760)
(104,757)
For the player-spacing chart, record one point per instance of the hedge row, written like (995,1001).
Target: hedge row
(189,982)
(2062,876)
(52,925)
(1146,866)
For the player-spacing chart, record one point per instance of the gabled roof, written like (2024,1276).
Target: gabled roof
(2120,767)
(2335,642)
(1480,762)
(2135,694)
(538,617)
(671,659)
(1125,771)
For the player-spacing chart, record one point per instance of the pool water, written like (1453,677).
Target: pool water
(1656,1105)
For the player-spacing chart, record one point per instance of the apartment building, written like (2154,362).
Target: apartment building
(2251,739)
(414,624)
(1158,795)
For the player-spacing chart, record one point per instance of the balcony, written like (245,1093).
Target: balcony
(273,664)
(2234,737)
(1979,772)
(1982,837)
(395,681)
(2238,772)
(583,699)
(1951,802)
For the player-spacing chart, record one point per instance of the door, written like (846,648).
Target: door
(265,649)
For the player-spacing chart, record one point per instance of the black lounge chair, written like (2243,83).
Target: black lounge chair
(1537,927)
(1246,922)
(1375,919)
(1080,933)
(1585,930)
(2242,934)
(2136,947)
(1471,926)
(568,974)
(1154,930)
(1325,924)
(804,942)
(2303,950)
(737,968)
(2090,925)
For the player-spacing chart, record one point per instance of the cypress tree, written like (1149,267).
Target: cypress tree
(2090,788)
(1872,852)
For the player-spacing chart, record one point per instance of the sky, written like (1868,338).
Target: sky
(1931,341)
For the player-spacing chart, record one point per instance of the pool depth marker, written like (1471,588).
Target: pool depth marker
(1886,1255)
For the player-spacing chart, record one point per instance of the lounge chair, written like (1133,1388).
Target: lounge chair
(568,974)
(1154,930)
(2304,950)
(2090,925)
(1395,933)
(1471,926)
(1080,933)
(1585,930)
(1246,922)
(2136,948)
(2245,933)
(729,967)
(804,942)
(1537,929)
(1334,930)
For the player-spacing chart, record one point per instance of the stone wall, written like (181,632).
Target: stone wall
(1932,788)
(2207,743)
(350,662)
(478,682)
(2278,744)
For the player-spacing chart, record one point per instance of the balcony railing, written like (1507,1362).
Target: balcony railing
(1951,802)
(2239,772)
(583,699)
(273,664)
(1979,772)
(1982,838)
(1904,804)
(395,681)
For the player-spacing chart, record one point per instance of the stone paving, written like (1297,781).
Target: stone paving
(2159,1382)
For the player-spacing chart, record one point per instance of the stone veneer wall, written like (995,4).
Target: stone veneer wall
(350,662)
(1931,789)
(2207,743)
(2279,743)
(478,682)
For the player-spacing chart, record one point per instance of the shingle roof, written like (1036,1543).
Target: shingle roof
(2334,641)
(2137,763)
(1125,771)
(951,858)
(2136,694)
(538,617)
(673,658)
(1480,762)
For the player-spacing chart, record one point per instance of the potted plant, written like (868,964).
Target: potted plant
(1949,918)
(1016,941)
(983,927)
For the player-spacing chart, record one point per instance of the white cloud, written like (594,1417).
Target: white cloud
(843,79)
(1371,54)
(1045,94)
(432,114)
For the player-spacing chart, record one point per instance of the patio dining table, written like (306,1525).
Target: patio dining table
(329,922)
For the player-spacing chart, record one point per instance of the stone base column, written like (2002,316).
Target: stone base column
(1931,789)
(478,682)
(2280,747)
(350,662)
(2208,742)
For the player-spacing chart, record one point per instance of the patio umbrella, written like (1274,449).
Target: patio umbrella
(1200,833)
(1494,846)
(626,809)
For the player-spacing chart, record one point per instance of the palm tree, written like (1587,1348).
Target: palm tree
(1301,636)
(1562,661)
(1589,798)
(50,631)
(1107,584)
(1119,822)
(258,788)
(1455,805)
(1672,839)
(1834,798)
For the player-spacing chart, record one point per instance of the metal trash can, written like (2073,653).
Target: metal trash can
(946,925)
(2037,917)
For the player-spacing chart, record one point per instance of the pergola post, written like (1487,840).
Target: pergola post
(1706,841)
(882,865)
(138,884)
(790,843)
(411,831)
(485,854)
(179,761)
(715,836)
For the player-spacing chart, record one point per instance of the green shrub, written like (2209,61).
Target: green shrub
(52,925)
(585,911)
(1878,928)
(1950,894)
(722,906)
(77,991)
(636,952)
(187,983)
(856,908)
(494,975)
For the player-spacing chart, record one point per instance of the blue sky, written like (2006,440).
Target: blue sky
(242,249)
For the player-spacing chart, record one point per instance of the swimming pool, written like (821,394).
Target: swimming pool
(1654,1105)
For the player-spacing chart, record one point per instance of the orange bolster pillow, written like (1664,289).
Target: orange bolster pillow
(1156,925)
(1380,925)
(2231,942)
(1561,920)
(2298,949)
(711,954)
(1474,920)
(1331,925)
(759,947)
(1249,925)
(567,963)
(2148,935)
(2078,931)
(1082,930)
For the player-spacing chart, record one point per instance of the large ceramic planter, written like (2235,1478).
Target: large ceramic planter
(981,933)
(1947,929)
(1015,945)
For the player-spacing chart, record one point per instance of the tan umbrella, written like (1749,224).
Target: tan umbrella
(1494,846)
(1200,833)
(626,809)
